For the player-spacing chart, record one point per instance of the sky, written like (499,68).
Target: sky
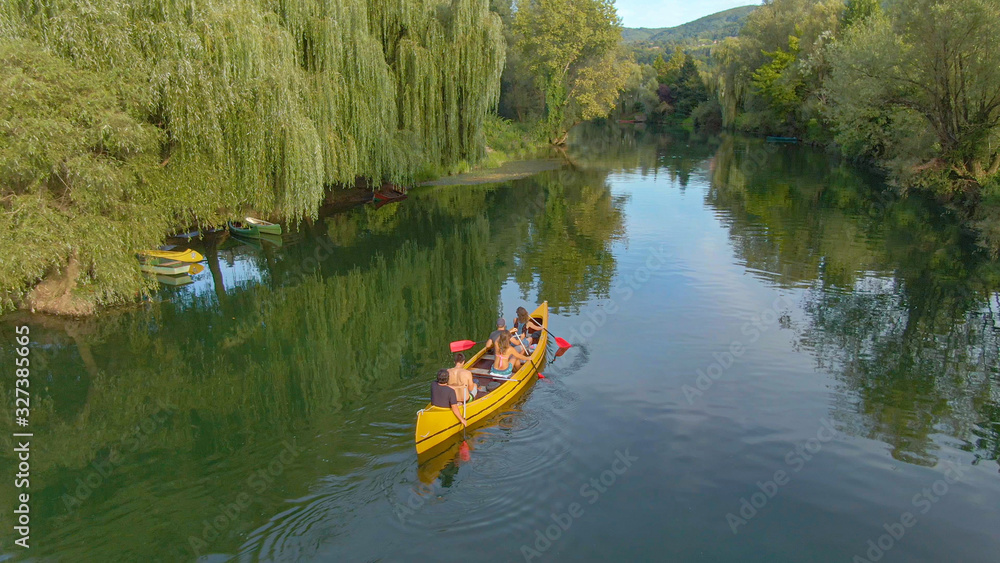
(668,13)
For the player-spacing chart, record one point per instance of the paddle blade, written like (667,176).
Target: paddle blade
(462,345)
(464,453)
(560,352)
(562,343)
(540,376)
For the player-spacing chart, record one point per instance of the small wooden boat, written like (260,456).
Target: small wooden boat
(165,267)
(186,255)
(264,226)
(789,140)
(380,203)
(251,227)
(242,229)
(436,425)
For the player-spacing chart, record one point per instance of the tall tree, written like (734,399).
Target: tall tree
(860,10)
(573,49)
(927,65)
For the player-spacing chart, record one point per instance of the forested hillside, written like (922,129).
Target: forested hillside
(709,28)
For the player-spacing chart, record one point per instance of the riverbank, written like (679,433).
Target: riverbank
(59,292)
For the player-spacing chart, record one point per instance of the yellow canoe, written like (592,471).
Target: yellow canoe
(186,255)
(436,425)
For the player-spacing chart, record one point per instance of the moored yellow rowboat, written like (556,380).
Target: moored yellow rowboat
(186,255)
(436,425)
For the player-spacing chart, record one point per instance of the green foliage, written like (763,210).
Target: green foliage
(690,88)
(708,116)
(926,65)
(181,113)
(859,11)
(508,140)
(641,94)
(77,171)
(774,81)
(572,48)
(763,41)
(669,72)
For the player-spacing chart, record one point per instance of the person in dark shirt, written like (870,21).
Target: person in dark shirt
(445,397)
(501,327)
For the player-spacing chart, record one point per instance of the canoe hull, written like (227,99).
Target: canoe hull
(250,231)
(264,227)
(186,255)
(436,425)
(166,267)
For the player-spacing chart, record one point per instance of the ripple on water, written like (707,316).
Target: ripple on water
(485,497)
(505,461)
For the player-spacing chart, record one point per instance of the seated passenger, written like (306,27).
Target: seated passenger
(501,328)
(445,397)
(524,339)
(507,359)
(460,379)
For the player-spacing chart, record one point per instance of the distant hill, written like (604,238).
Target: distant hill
(705,30)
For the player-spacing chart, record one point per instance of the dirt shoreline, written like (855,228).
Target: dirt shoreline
(514,170)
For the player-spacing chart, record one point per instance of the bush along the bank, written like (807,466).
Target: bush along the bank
(912,86)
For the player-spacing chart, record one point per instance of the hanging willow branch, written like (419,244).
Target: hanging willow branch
(261,104)
(281,98)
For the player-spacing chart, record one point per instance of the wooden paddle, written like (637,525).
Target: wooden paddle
(561,342)
(463,345)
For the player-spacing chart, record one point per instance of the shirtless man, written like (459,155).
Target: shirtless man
(460,379)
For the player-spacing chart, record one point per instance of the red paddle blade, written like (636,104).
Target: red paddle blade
(560,352)
(463,452)
(540,376)
(462,345)
(562,343)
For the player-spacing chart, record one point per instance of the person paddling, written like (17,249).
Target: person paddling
(526,340)
(501,329)
(460,379)
(445,397)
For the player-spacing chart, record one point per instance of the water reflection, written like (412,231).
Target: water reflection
(353,311)
(899,300)
(330,339)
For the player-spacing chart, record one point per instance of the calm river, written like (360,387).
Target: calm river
(771,362)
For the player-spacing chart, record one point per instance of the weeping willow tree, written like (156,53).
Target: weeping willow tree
(205,108)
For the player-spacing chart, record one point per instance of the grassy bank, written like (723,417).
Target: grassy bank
(506,141)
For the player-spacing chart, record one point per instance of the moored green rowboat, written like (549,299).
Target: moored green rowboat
(264,227)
